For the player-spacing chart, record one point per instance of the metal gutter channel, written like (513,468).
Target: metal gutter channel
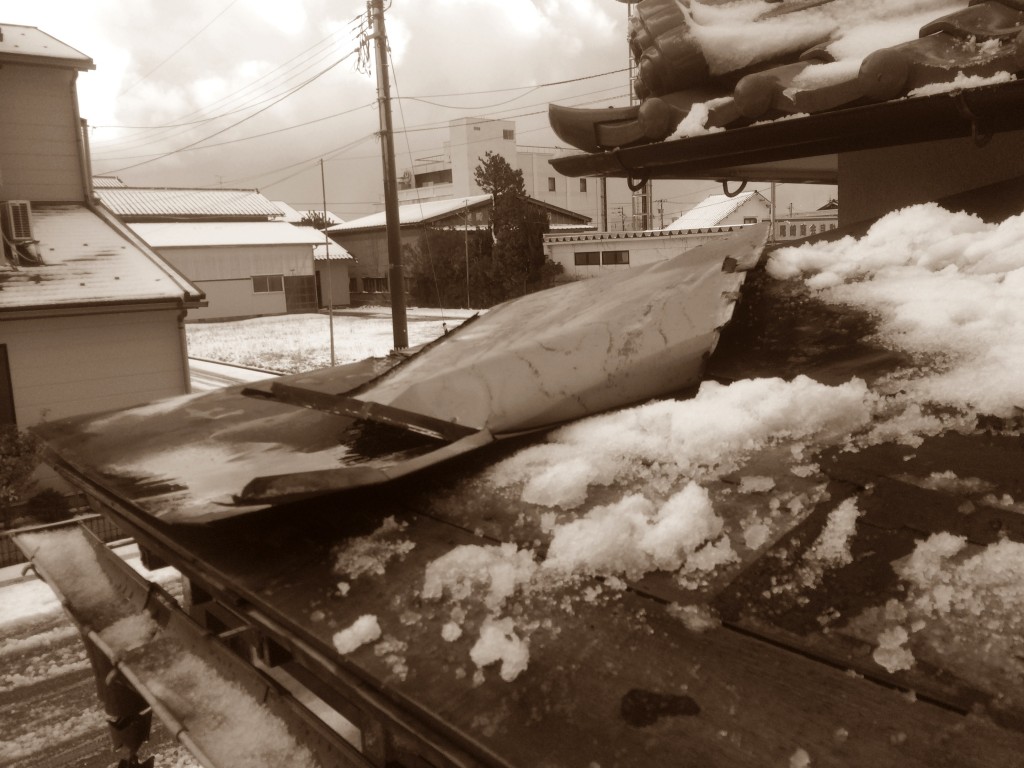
(978,112)
(100,592)
(386,729)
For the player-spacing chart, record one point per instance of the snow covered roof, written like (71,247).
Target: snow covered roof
(18,43)
(432,210)
(710,211)
(294,216)
(87,261)
(185,234)
(413,213)
(149,202)
(334,252)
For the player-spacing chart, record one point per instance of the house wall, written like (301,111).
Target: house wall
(225,274)
(642,250)
(38,135)
(333,277)
(66,366)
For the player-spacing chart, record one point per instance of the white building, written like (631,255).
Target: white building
(449,173)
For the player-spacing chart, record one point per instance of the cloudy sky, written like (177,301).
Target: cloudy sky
(254,93)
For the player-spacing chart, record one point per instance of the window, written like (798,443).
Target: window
(508,135)
(375,284)
(831,226)
(814,229)
(588,258)
(803,230)
(782,230)
(615,257)
(750,219)
(267,283)
(551,183)
(792,230)
(583,185)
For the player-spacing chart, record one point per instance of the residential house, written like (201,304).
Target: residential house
(234,244)
(596,253)
(725,211)
(91,318)
(366,238)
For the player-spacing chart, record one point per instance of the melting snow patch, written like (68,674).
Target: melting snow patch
(371,554)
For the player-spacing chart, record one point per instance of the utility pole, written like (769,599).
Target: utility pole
(330,267)
(396,278)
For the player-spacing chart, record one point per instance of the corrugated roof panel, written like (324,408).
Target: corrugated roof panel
(186,234)
(139,202)
(86,261)
(334,253)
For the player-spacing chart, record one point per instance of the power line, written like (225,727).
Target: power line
(239,122)
(179,49)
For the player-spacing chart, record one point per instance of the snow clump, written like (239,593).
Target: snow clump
(946,287)
(363,630)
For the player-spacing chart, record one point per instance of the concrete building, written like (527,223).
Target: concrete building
(449,173)
(794,226)
(91,318)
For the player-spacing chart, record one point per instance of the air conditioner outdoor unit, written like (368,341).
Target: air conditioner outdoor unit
(17,221)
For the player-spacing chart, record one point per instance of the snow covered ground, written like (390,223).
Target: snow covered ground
(297,343)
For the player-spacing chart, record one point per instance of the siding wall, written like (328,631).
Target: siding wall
(642,250)
(38,135)
(65,366)
(225,273)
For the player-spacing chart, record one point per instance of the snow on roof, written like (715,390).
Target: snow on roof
(18,43)
(184,234)
(414,213)
(138,202)
(294,216)
(87,261)
(334,252)
(710,211)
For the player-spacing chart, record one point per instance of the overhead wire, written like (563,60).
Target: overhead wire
(179,49)
(239,122)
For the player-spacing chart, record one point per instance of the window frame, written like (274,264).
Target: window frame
(266,281)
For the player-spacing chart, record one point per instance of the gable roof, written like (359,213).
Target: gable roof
(139,203)
(710,211)
(30,45)
(433,210)
(414,213)
(88,261)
